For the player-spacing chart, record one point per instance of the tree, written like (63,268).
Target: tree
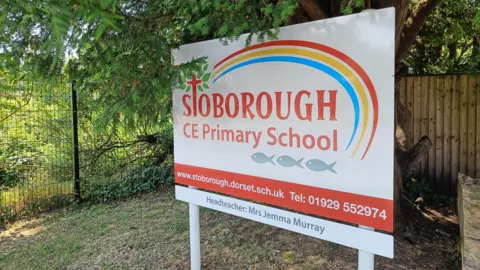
(123,46)
(449,42)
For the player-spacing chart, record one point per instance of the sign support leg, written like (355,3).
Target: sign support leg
(366,260)
(194,218)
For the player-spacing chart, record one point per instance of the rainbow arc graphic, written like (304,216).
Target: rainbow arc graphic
(334,63)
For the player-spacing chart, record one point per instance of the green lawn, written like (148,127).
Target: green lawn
(151,232)
(19,197)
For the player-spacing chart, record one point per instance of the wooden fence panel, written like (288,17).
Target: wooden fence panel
(447,131)
(432,111)
(446,108)
(417,116)
(438,143)
(472,103)
(410,100)
(455,157)
(477,148)
(462,165)
(424,118)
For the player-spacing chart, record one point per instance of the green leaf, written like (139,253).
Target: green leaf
(189,87)
(348,10)
(104,3)
(223,30)
(100,30)
(135,97)
(206,77)
(92,15)
(205,67)
(200,88)
(477,18)
(205,85)
(359,3)
(109,22)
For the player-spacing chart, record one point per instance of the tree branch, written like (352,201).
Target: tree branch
(335,7)
(368,4)
(313,9)
(19,108)
(413,25)
(102,150)
(299,16)
(414,156)
(452,50)
(401,14)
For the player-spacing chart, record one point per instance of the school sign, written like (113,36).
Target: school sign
(302,123)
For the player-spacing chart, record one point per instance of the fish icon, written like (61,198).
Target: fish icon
(262,158)
(288,161)
(318,165)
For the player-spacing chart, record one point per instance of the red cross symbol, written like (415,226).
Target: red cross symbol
(194,82)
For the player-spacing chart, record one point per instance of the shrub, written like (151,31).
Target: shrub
(9,178)
(131,182)
(414,189)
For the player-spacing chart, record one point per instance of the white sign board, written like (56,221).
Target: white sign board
(305,123)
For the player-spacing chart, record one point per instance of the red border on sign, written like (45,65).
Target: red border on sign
(353,208)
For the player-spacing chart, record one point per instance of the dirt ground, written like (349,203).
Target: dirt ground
(151,232)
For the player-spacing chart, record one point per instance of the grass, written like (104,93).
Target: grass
(151,232)
(31,197)
(35,192)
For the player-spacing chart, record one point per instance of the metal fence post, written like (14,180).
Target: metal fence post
(76,169)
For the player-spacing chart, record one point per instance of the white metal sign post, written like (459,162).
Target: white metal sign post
(194,218)
(303,123)
(366,259)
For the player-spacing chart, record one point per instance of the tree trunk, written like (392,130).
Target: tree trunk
(406,160)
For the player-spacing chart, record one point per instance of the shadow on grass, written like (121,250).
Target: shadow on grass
(151,231)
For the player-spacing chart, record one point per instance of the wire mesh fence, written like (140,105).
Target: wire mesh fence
(36,168)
